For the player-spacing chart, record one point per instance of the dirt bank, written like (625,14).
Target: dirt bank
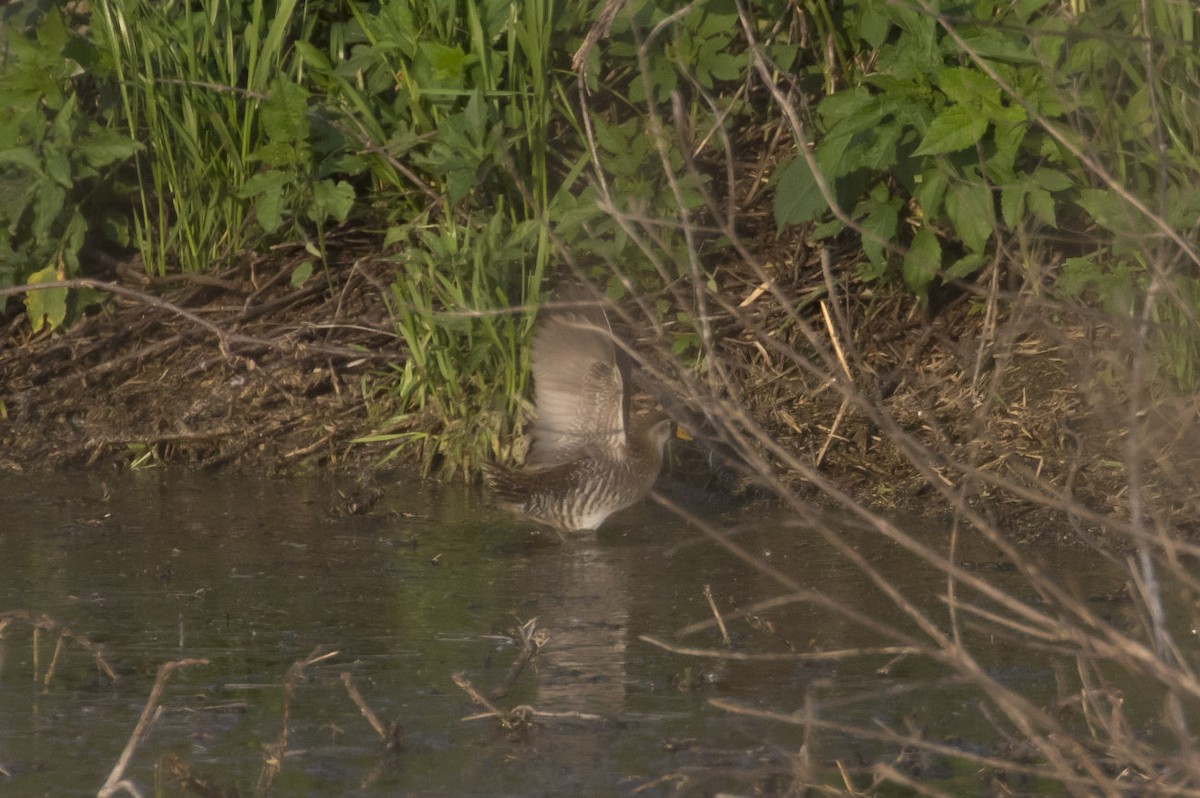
(244,369)
(236,368)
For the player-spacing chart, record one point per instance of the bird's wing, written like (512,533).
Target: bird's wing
(578,388)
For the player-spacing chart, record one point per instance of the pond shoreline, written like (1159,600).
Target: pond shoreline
(242,370)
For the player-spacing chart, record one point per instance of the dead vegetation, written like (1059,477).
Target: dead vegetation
(236,367)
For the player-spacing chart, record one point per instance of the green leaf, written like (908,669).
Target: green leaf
(968,87)
(47,306)
(1051,179)
(964,266)
(285,113)
(1042,206)
(725,66)
(999,45)
(313,57)
(58,167)
(798,198)
(878,227)
(103,146)
(969,208)
(267,188)
(301,273)
(873,27)
(930,192)
(1078,274)
(922,261)
(331,199)
(851,110)
(449,63)
(46,207)
(954,129)
(22,156)
(1106,208)
(1012,205)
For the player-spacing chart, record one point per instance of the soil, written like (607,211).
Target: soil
(262,374)
(242,368)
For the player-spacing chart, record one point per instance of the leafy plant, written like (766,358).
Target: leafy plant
(57,163)
(929,128)
(958,134)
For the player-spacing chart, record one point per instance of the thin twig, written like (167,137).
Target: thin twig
(116,781)
(532,640)
(712,605)
(273,752)
(361,703)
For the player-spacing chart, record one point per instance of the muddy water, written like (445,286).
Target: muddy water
(252,575)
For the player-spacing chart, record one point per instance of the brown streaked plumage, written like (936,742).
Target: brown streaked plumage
(586,460)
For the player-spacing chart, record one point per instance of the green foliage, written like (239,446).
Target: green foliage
(56,162)
(455,98)
(219,93)
(928,128)
(953,136)
(467,362)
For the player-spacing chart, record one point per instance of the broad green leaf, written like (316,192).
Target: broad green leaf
(1012,205)
(58,167)
(878,227)
(47,306)
(1026,8)
(873,28)
(969,208)
(954,129)
(22,156)
(855,109)
(301,273)
(930,192)
(1077,275)
(46,207)
(878,153)
(332,199)
(922,261)
(102,147)
(1041,204)
(285,113)
(798,197)
(459,183)
(996,44)
(266,188)
(1105,208)
(725,66)
(1051,179)
(968,87)
(964,266)
(313,56)
(449,63)
(610,138)
(1007,137)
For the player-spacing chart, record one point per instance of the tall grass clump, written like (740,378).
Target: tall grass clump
(218,92)
(456,98)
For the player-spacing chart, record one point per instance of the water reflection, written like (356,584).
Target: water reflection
(252,574)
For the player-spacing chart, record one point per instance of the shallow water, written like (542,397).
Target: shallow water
(252,575)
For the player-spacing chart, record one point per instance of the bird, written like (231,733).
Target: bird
(586,460)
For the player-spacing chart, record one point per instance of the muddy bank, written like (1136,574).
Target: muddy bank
(244,369)
(235,368)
